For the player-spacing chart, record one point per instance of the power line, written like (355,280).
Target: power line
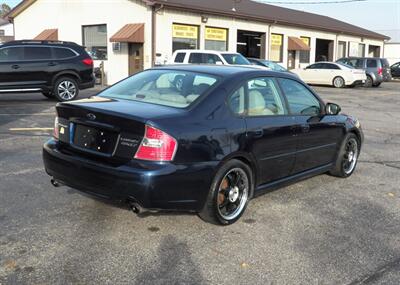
(312,2)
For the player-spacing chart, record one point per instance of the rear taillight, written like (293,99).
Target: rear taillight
(88,61)
(380,71)
(56,133)
(156,146)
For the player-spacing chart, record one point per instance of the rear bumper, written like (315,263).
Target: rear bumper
(88,84)
(151,185)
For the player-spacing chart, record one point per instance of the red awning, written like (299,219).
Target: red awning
(130,33)
(297,44)
(48,35)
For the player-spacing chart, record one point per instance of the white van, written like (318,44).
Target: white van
(192,56)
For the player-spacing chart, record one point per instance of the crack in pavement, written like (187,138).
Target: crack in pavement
(376,275)
(384,163)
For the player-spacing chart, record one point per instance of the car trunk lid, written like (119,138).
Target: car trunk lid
(107,129)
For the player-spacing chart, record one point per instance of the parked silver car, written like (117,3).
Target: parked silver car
(377,69)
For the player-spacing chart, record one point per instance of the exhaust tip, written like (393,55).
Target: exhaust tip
(55,183)
(135,207)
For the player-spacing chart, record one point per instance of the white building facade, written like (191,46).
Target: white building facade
(131,35)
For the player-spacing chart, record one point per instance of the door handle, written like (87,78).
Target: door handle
(15,66)
(258,133)
(52,64)
(305,128)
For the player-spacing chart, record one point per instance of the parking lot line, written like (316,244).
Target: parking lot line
(29,129)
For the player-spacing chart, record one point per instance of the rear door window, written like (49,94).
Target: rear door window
(37,53)
(62,53)
(330,66)
(196,58)
(180,57)
(371,63)
(264,98)
(11,54)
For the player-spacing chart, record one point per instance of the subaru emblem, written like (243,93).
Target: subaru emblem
(91,116)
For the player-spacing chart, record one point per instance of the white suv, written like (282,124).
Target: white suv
(192,56)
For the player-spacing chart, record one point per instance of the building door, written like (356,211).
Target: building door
(135,58)
(324,50)
(251,44)
(291,62)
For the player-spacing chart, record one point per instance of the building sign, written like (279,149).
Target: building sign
(215,34)
(276,40)
(305,40)
(184,31)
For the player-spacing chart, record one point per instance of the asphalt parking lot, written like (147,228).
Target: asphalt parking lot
(323,230)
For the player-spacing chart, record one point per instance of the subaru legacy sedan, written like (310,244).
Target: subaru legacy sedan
(203,139)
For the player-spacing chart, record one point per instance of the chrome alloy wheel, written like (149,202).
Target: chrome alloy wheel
(338,82)
(350,156)
(233,193)
(66,90)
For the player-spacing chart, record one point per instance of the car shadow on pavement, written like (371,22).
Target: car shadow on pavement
(173,265)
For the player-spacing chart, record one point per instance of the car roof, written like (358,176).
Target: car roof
(225,70)
(204,51)
(37,42)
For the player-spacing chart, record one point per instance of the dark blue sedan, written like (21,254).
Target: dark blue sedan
(204,139)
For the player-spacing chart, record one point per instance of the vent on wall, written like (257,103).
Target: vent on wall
(116,46)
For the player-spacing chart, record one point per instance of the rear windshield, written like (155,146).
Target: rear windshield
(235,58)
(385,62)
(173,88)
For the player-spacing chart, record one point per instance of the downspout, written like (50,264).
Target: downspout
(154,11)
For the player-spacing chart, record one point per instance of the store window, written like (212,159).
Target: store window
(276,53)
(185,37)
(216,39)
(341,49)
(305,54)
(2,32)
(95,41)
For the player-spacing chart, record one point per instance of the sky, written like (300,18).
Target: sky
(382,16)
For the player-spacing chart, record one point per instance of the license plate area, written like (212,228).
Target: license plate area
(94,139)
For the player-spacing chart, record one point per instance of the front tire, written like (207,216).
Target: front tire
(338,82)
(66,89)
(229,194)
(347,157)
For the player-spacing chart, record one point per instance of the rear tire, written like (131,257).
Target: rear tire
(229,194)
(338,82)
(368,81)
(66,89)
(347,157)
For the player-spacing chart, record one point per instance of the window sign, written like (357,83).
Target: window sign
(185,37)
(216,39)
(305,54)
(276,53)
(185,31)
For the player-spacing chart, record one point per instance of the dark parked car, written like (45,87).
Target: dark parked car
(395,70)
(267,63)
(57,69)
(199,138)
(377,69)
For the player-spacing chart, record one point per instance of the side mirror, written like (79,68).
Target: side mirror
(219,63)
(332,109)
